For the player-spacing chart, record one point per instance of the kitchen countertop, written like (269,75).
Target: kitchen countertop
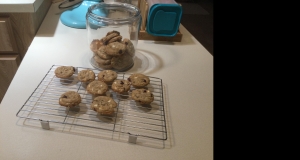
(19,6)
(186,69)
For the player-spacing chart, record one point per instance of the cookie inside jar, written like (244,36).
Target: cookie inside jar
(112,52)
(113,35)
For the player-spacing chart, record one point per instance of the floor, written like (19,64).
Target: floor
(197,18)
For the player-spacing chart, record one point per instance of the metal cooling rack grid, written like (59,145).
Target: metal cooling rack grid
(130,118)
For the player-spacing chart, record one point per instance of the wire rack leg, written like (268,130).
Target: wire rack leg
(45,124)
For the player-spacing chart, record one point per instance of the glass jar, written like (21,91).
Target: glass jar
(113,29)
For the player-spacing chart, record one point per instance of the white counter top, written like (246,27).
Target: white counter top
(186,69)
(19,5)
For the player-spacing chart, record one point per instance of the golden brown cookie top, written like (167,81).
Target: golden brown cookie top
(70,99)
(142,96)
(139,80)
(86,75)
(107,76)
(121,85)
(97,87)
(115,49)
(102,54)
(64,71)
(103,105)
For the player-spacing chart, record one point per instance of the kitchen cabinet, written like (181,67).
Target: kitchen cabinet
(7,40)
(8,67)
(17,30)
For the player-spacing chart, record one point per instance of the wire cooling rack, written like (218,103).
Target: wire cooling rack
(130,120)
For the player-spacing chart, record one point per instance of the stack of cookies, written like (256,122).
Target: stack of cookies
(111,52)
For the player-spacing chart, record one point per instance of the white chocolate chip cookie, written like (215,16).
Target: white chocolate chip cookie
(121,85)
(104,105)
(97,88)
(143,96)
(70,99)
(139,80)
(107,76)
(64,71)
(86,75)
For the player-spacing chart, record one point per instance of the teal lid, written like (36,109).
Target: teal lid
(164,19)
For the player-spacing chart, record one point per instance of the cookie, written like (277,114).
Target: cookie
(95,45)
(70,99)
(108,33)
(64,71)
(115,49)
(121,86)
(104,66)
(86,75)
(115,39)
(104,105)
(102,61)
(138,80)
(129,47)
(110,37)
(102,54)
(122,62)
(107,76)
(143,96)
(97,88)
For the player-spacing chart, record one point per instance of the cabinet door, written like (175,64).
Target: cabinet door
(7,40)
(8,67)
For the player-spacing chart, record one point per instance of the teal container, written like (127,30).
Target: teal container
(164,19)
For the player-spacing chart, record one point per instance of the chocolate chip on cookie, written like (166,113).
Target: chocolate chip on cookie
(97,88)
(143,96)
(139,80)
(70,99)
(104,105)
(64,71)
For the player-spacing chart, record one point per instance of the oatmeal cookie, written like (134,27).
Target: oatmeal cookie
(143,96)
(86,75)
(70,99)
(115,49)
(129,47)
(102,61)
(97,88)
(138,80)
(96,44)
(121,86)
(104,105)
(64,71)
(122,62)
(102,54)
(107,76)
